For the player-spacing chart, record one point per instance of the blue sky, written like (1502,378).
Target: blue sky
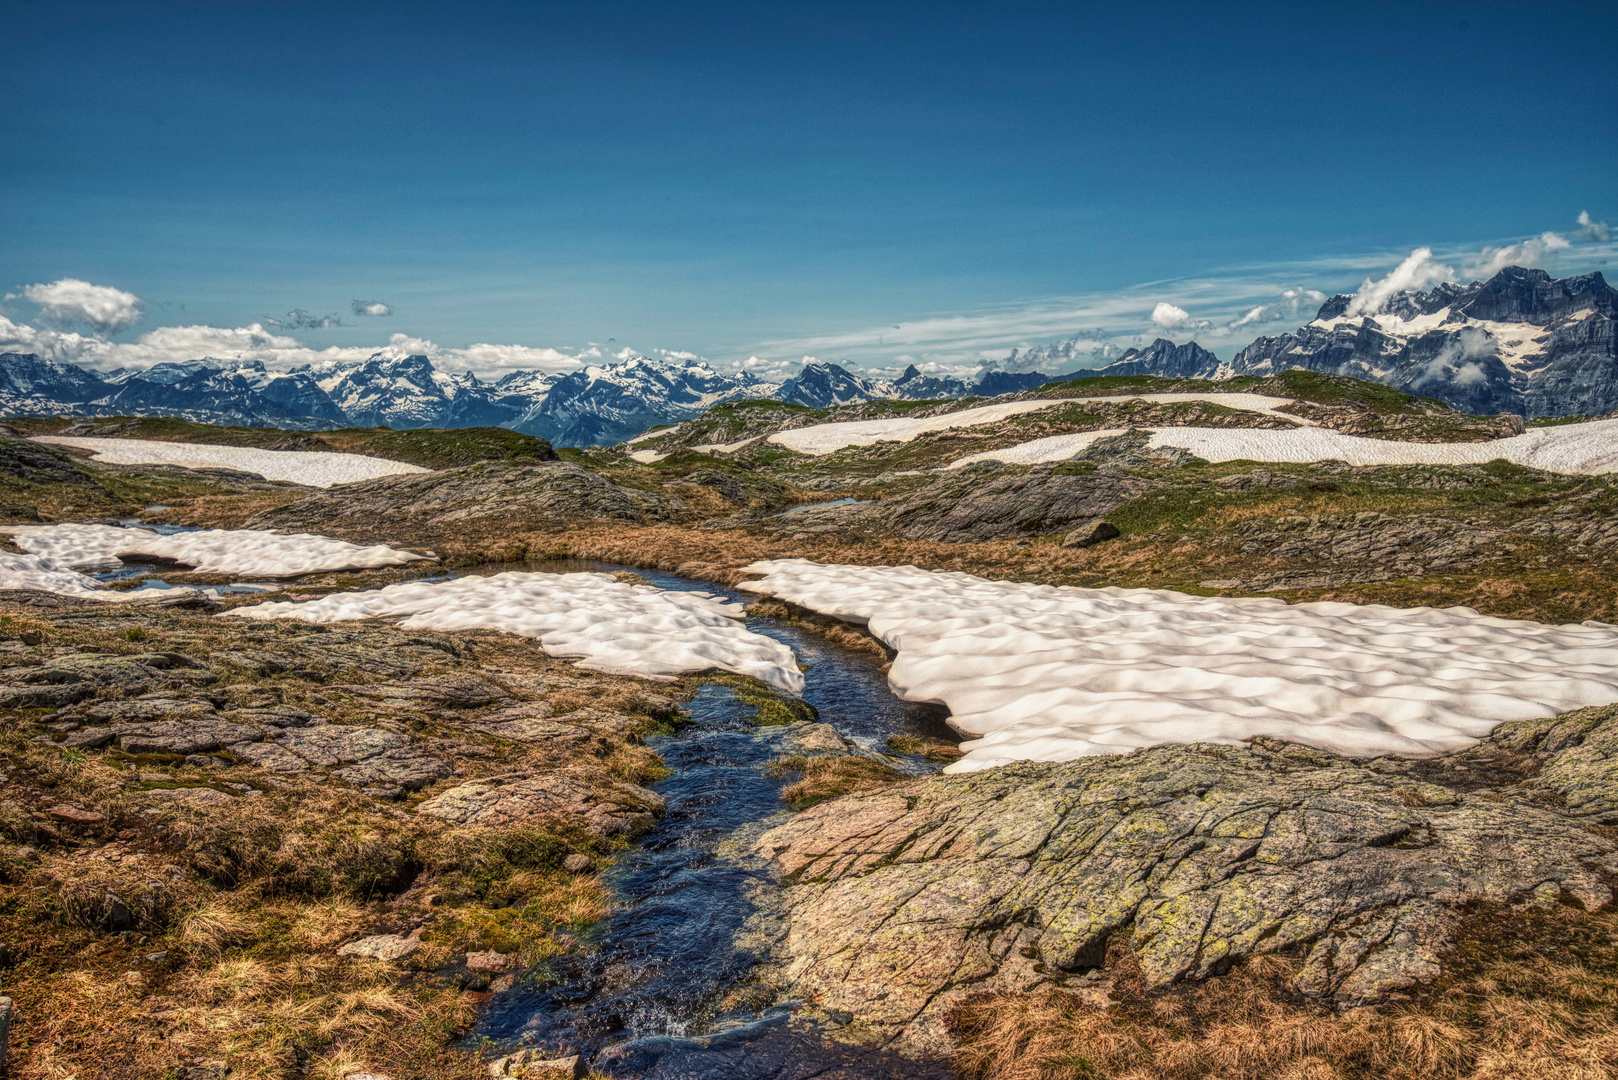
(745,180)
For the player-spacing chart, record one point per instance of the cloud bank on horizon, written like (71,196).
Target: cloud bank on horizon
(77,321)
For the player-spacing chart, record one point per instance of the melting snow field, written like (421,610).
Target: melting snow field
(1590,447)
(214,551)
(314,468)
(615,627)
(54,551)
(35,574)
(1046,673)
(826,438)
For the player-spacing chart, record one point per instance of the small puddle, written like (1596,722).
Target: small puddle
(665,959)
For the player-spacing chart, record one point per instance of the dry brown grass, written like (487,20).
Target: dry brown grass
(929,749)
(148,944)
(1530,996)
(827,778)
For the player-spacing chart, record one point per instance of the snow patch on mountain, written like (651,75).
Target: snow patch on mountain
(313,468)
(1589,448)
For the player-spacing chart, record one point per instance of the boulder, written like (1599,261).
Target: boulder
(538,1065)
(387,947)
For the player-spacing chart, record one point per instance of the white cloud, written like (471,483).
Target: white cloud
(1456,361)
(1294,303)
(1531,252)
(1598,231)
(371,308)
(1170,317)
(1418,271)
(70,300)
(484,357)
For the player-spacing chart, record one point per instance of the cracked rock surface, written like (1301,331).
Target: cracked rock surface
(895,903)
(516,495)
(379,709)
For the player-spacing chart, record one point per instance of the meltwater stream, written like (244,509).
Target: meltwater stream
(664,967)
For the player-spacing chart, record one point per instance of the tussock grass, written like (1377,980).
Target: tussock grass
(1528,996)
(928,749)
(827,778)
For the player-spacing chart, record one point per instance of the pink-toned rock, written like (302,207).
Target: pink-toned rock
(530,1063)
(386,947)
(76,815)
(487,961)
(610,810)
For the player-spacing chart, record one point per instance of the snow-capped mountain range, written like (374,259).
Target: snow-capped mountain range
(598,405)
(1520,342)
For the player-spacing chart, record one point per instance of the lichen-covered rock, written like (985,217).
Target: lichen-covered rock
(442,692)
(68,679)
(899,901)
(1578,754)
(618,810)
(987,504)
(188,736)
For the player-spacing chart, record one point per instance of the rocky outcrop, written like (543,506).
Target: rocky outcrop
(36,463)
(990,503)
(515,495)
(621,810)
(985,502)
(897,902)
(1400,546)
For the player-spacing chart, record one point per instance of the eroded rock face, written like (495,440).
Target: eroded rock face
(979,504)
(897,902)
(516,495)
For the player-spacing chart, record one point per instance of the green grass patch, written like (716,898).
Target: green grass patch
(771,708)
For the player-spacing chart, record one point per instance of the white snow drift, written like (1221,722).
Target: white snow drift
(826,438)
(315,468)
(35,574)
(214,551)
(629,629)
(1045,673)
(1590,447)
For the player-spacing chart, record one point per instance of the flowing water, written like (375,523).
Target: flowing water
(664,959)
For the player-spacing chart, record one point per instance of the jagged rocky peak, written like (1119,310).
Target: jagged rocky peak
(821,386)
(1163,357)
(1533,296)
(912,385)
